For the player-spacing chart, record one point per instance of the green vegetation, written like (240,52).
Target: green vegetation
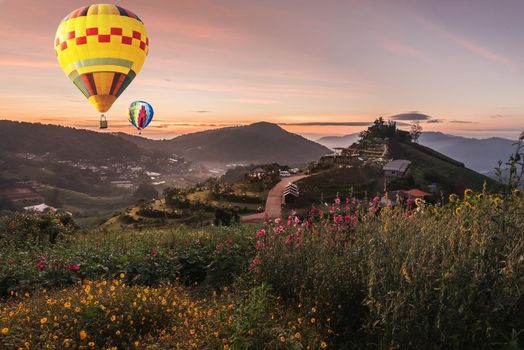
(351,275)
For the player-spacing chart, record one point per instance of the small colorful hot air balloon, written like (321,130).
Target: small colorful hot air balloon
(140,114)
(101,48)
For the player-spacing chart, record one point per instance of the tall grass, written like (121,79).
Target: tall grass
(426,277)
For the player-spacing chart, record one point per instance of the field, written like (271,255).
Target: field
(350,275)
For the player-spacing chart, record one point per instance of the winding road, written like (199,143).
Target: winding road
(274,201)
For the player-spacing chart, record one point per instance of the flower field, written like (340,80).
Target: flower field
(350,275)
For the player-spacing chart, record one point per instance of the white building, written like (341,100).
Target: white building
(40,208)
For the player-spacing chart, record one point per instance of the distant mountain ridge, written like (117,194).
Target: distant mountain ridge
(480,155)
(261,142)
(67,143)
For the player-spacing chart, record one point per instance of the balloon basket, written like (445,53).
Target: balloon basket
(103,122)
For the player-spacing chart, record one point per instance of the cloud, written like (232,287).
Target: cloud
(327,124)
(435,121)
(468,44)
(496,116)
(203,111)
(411,116)
(462,122)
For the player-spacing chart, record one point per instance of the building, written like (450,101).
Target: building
(122,184)
(396,168)
(257,173)
(21,195)
(416,193)
(41,208)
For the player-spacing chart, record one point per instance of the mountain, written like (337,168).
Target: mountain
(256,143)
(338,141)
(65,142)
(480,155)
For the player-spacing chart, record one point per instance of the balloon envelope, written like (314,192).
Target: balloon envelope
(101,48)
(140,114)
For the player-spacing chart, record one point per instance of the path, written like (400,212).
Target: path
(274,201)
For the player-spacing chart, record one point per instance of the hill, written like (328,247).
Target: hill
(480,155)
(256,143)
(65,142)
(338,141)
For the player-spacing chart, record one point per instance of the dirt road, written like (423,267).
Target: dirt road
(274,201)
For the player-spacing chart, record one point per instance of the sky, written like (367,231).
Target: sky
(315,67)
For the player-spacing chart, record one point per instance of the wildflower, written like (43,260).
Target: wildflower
(113,318)
(122,275)
(453,198)
(83,334)
(74,267)
(5,330)
(323,345)
(282,339)
(136,343)
(468,192)
(458,210)
(43,320)
(67,305)
(313,309)
(91,344)
(313,320)
(419,202)
(298,335)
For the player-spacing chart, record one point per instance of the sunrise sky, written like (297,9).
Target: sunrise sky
(316,67)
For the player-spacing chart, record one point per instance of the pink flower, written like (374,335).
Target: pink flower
(337,200)
(261,233)
(40,263)
(74,267)
(153,252)
(347,200)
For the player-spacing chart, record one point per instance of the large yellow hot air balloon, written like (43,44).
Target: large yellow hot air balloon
(101,48)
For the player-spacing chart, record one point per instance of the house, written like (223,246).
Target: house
(21,195)
(396,168)
(122,184)
(41,208)
(258,173)
(415,193)
(290,193)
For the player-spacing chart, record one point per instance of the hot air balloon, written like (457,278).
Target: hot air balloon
(140,114)
(101,48)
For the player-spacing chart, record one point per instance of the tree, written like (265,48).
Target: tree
(380,129)
(146,191)
(416,131)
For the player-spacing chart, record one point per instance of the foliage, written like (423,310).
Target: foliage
(29,228)
(511,173)
(413,276)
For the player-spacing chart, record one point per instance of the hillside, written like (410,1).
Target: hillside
(338,141)
(480,155)
(65,142)
(256,143)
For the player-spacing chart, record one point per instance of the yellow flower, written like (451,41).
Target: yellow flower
(419,202)
(51,302)
(122,275)
(282,339)
(468,192)
(313,320)
(77,309)
(323,345)
(67,305)
(453,198)
(5,330)
(91,344)
(83,334)
(43,320)
(136,343)
(313,309)
(192,332)
(458,210)
(298,335)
